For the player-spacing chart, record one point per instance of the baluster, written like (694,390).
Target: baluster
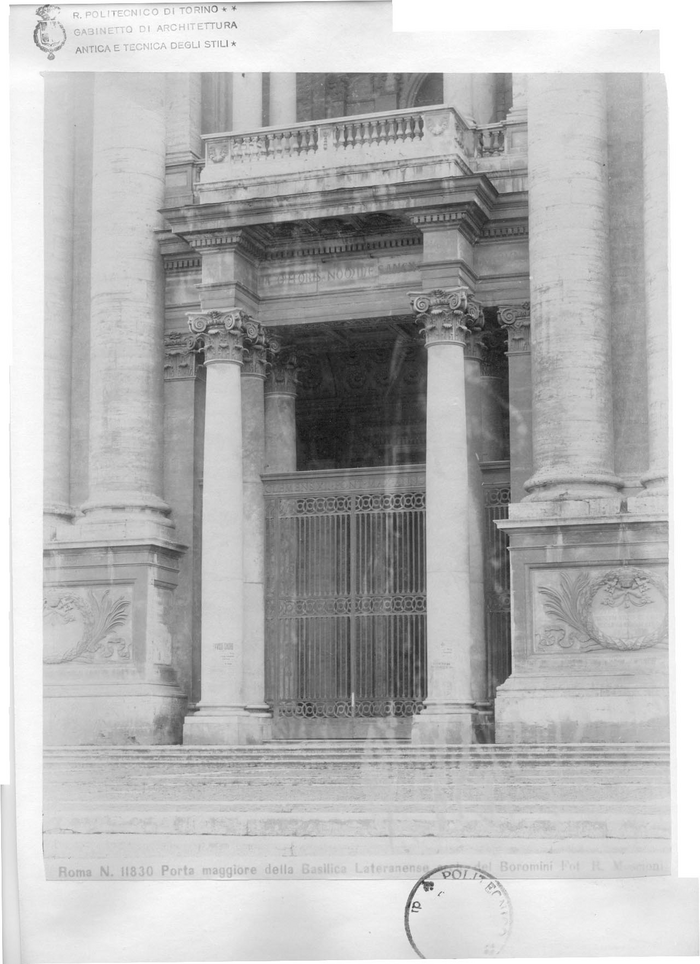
(420,126)
(365,133)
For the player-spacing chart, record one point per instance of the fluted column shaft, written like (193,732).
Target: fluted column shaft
(126,334)
(571,346)
(58,291)
(283,99)
(443,316)
(655,167)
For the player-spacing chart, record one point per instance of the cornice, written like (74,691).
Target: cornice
(401,198)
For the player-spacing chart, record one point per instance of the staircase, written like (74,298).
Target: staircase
(356,808)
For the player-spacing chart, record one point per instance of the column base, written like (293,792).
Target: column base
(444,723)
(227,726)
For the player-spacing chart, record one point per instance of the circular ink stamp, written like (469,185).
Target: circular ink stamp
(457,911)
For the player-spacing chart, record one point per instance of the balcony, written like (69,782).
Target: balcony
(347,152)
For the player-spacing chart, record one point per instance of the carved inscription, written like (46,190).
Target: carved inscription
(340,274)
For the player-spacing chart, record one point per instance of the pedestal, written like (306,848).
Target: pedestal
(590,628)
(108,644)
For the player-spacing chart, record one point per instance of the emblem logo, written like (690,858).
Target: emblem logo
(49,34)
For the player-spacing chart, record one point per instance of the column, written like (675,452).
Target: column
(280,412)
(58,294)
(446,317)
(126,331)
(221,716)
(457,93)
(283,99)
(570,289)
(247,102)
(655,178)
(516,320)
(253,408)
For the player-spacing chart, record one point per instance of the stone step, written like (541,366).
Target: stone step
(215,789)
(370,823)
(352,752)
(622,855)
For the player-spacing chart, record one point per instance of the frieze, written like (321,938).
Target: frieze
(87,626)
(337,275)
(624,609)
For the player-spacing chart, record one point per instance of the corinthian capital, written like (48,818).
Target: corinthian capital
(180,356)
(223,336)
(516,320)
(257,353)
(447,315)
(285,367)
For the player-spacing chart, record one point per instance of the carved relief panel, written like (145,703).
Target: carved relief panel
(622,609)
(88,624)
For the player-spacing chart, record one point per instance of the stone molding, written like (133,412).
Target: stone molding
(240,240)
(182,263)
(224,336)
(470,221)
(516,320)
(352,245)
(495,231)
(447,315)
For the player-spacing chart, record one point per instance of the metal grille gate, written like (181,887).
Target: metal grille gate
(497,585)
(345,600)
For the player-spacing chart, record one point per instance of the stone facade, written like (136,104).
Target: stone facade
(403,289)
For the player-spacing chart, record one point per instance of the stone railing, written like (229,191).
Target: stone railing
(490,139)
(401,136)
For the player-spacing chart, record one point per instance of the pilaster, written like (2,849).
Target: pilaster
(516,321)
